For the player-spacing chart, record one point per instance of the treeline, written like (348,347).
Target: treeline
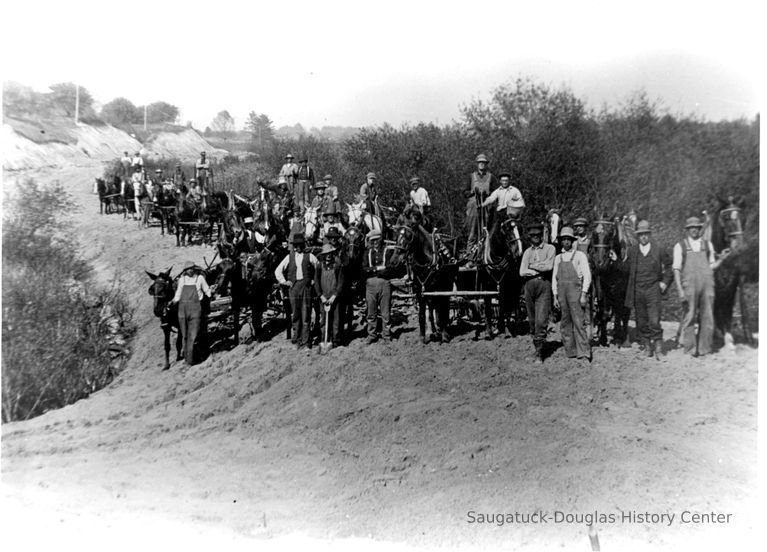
(63,336)
(561,155)
(22,102)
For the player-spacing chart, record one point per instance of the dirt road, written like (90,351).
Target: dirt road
(383,447)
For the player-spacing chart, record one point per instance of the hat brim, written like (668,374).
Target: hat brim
(693,226)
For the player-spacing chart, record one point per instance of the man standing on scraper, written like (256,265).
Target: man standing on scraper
(305,183)
(288,174)
(694,262)
(329,285)
(296,272)
(202,172)
(649,268)
(482,182)
(536,267)
(191,294)
(570,283)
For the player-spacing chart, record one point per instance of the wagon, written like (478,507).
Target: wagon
(202,231)
(220,320)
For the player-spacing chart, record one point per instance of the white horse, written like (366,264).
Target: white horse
(358,216)
(310,222)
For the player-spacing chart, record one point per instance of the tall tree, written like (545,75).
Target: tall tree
(261,129)
(161,112)
(62,97)
(119,111)
(223,123)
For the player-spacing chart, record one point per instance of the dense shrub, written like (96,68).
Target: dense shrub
(63,337)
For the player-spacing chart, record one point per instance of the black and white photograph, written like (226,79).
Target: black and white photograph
(410,276)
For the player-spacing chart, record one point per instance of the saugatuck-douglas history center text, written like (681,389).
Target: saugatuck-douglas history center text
(590,518)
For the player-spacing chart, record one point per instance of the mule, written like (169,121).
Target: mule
(162,290)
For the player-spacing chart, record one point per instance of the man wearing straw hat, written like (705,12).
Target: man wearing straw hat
(190,293)
(296,271)
(570,283)
(288,173)
(649,267)
(694,262)
(329,285)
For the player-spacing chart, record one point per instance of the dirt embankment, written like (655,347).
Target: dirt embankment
(381,446)
(31,145)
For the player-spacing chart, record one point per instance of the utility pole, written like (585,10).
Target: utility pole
(77,101)
(144,117)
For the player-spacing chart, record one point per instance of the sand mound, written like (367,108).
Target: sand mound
(30,145)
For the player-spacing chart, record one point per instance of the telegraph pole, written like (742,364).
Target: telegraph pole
(77,101)
(144,117)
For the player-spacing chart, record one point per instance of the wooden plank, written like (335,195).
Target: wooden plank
(460,293)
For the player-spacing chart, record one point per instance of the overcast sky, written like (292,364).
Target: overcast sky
(364,63)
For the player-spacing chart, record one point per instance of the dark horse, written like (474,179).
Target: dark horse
(353,243)
(226,279)
(610,280)
(433,270)
(162,290)
(257,274)
(739,265)
(187,211)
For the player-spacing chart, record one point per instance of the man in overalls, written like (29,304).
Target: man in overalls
(583,244)
(191,290)
(296,272)
(482,182)
(694,262)
(570,282)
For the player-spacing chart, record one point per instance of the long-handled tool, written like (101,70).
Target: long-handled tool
(325,346)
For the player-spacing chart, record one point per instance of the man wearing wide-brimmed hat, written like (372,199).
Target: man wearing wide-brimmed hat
(329,287)
(296,271)
(321,201)
(481,183)
(570,282)
(649,271)
(694,262)
(331,220)
(190,293)
(203,171)
(536,267)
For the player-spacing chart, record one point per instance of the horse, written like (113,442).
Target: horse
(551,227)
(433,270)
(257,275)
(162,290)
(739,265)
(362,219)
(186,211)
(311,226)
(354,242)
(128,199)
(609,278)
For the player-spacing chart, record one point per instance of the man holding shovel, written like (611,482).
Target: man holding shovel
(328,284)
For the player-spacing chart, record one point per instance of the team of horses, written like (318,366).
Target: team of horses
(250,252)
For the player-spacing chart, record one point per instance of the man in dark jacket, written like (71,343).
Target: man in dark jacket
(296,271)
(378,271)
(329,285)
(649,266)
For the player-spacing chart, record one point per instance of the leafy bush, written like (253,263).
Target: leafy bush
(63,338)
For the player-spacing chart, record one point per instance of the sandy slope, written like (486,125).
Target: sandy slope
(377,447)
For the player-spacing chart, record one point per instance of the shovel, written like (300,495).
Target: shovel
(325,346)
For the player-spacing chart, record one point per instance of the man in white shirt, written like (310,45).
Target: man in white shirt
(507,199)
(418,195)
(694,261)
(570,283)
(296,272)
(137,161)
